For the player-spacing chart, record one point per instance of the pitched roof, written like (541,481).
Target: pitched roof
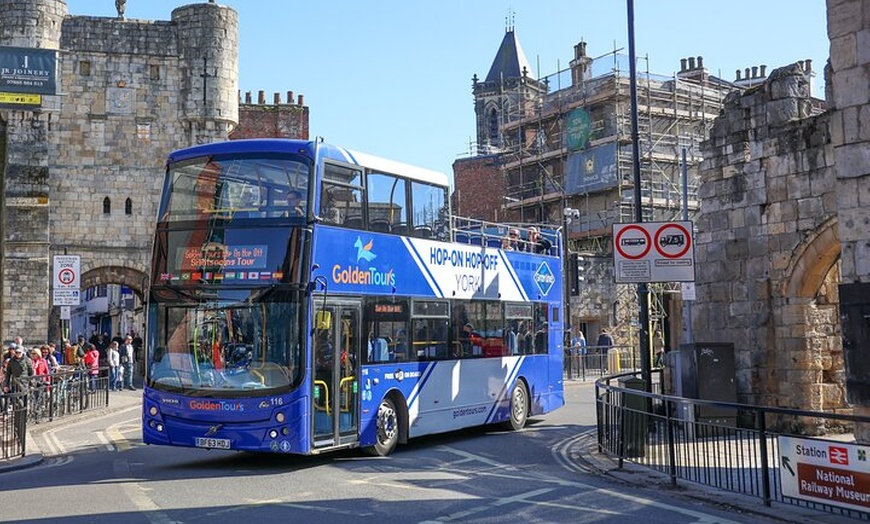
(510,60)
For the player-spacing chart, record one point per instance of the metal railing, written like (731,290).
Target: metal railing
(729,446)
(66,392)
(598,361)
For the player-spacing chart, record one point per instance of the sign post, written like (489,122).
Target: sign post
(65,282)
(653,252)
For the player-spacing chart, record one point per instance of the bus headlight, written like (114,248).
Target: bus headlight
(273,434)
(280,417)
(153,411)
(159,428)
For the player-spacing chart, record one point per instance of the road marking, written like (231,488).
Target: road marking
(561,452)
(138,495)
(56,446)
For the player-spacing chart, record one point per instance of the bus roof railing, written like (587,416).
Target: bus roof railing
(478,232)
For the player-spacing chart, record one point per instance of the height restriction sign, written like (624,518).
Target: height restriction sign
(653,252)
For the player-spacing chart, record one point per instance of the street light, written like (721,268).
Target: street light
(568,215)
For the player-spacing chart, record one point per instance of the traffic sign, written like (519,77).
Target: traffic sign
(653,252)
(825,471)
(66,272)
(66,297)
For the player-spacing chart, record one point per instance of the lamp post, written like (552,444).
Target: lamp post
(642,288)
(568,214)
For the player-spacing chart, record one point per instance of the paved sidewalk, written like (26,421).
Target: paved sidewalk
(587,456)
(118,400)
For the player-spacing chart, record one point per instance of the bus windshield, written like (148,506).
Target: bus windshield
(225,349)
(242,186)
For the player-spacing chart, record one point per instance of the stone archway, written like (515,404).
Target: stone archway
(811,354)
(125,276)
(135,279)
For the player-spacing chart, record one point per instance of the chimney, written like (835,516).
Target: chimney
(682,64)
(247,97)
(763,71)
(301,100)
(808,66)
(691,62)
(277,98)
(261,97)
(754,71)
(580,50)
(290,97)
(747,73)
(738,75)
(700,62)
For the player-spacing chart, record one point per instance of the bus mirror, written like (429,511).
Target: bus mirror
(323,320)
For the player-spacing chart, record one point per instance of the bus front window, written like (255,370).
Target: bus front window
(225,349)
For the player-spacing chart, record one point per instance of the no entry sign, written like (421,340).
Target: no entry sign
(653,252)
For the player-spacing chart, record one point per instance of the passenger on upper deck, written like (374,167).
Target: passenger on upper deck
(511,241)
(536,243)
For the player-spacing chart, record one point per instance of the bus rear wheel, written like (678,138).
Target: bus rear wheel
(388,429)
(519,407)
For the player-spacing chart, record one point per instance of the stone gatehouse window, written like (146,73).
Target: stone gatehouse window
(154,71)
(85,67)
(128,207)
(107,206)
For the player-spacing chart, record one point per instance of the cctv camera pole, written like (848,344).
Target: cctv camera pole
(642,289)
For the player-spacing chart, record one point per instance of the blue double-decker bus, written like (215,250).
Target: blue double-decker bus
(307,298)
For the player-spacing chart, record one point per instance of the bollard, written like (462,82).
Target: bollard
(613,365)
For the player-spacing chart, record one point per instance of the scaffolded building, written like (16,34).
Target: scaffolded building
(563,145)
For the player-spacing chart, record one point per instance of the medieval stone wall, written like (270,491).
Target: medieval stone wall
(129,92)
(766,248)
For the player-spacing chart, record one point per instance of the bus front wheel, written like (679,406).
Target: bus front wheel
(388,429)
(519,407)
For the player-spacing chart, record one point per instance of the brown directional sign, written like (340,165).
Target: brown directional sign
(826,471)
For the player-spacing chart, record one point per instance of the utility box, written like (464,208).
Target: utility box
(634,422)
(704,371)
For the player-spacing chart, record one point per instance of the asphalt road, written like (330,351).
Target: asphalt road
(97,470)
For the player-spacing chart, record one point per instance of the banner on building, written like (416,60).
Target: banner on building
(591,170)
(24,70)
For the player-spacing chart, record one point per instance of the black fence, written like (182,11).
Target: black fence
(733,447)
(66,392)
(597,361)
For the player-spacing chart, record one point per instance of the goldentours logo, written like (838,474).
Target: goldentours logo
(544,278)
(366,276)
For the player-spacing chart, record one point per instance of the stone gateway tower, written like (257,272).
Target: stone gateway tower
(81,171)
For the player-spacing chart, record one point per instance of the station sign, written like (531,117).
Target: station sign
(826,471)
(653,252)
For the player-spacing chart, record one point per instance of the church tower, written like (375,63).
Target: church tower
(509,93)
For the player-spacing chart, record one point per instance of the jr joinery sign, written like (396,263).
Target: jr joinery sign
(25,70)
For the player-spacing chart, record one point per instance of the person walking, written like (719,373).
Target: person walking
(114,367)
(127,358)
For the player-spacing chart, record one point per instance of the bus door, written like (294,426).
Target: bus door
(336,343)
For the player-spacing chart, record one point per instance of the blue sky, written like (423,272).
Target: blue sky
(393,78)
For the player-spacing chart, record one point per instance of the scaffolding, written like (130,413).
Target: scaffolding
(546,169)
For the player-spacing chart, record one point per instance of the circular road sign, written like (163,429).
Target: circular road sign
(673,240)
(633,242)
(66,276)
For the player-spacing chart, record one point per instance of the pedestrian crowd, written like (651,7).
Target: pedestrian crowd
(22,368)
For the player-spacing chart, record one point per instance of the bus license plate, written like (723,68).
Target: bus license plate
(214,443)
